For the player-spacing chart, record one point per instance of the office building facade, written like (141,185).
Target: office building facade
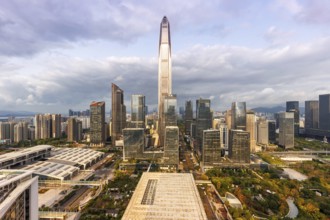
(311,114)
(118,110)
(239,146)
(134,143)
(262,132)
(238,115)
(188,116)
(171,146)
(324,112)
(293,106)
(211,147)
(138,111)
(286,129)
(251,128)
(97,120)
(203,120)
(272,131)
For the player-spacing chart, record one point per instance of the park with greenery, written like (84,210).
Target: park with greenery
(266,196)
(113,200)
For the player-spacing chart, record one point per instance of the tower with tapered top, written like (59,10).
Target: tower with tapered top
(164,74)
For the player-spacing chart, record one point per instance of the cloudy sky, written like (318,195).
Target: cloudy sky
(61,54)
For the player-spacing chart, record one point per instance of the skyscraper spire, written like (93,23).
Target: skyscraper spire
(164,72)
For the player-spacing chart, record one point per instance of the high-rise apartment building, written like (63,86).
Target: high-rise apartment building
(324,112)
(47,126)
(138,111)
(164,74)
(286,129)
(251,128)
(293,106)
(239,146)
(311,114)
(56,125)
(188,116)
(74,130)
(4,131)
(118,110)
(18,195)
(97,129)
(203,120)
(238,115)
(211,147)
(21,132)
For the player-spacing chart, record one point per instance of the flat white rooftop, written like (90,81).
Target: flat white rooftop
(164,196)
(74,156)
(53,170)
(9,176)
(27,151)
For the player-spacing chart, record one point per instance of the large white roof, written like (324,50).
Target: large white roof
(26,151)
(161,196)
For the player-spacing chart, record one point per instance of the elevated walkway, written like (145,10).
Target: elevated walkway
(56,183)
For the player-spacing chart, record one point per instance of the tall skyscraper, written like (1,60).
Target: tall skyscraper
(271,132)
(134,143)
(251,128)
(211,147)
(238,115)
(293,106)
(164,73)
(203,120)
(324,112)
(118,110)
(311,114)
(170,116)
(229,119)
(262,131)
(286,129)
(97,129)
(239,146)
(56,125)
(138,111)
(171,145)
(188,116)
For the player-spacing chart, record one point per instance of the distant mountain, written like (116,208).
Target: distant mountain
(16,113)
(275,109)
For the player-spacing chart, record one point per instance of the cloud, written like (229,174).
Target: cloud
(261,77)
(308,11)
(27,29)
(277,37)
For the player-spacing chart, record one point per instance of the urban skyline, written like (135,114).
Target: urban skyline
(290,41)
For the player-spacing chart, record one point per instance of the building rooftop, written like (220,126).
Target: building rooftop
(74,156)
(52,170)
(27,151)
(9,176)
(165,196)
